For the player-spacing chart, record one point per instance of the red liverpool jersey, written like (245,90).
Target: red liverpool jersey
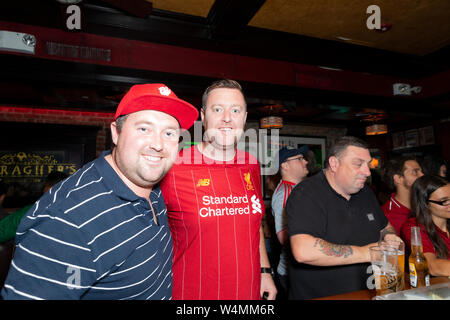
(215,210)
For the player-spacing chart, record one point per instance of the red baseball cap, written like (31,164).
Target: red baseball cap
(158,97)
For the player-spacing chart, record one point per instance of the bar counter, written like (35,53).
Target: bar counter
(370,294)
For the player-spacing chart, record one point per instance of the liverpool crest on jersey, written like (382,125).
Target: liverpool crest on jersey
(248,181)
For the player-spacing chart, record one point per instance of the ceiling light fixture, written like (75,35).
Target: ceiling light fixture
(272,122)
(405,89)
(376,129)
(17,42)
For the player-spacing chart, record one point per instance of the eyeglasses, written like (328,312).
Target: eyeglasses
(441,203)
(299,159)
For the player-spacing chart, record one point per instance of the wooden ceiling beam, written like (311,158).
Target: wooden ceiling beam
(204,34)
(227,18)
(164,27)
(138,8)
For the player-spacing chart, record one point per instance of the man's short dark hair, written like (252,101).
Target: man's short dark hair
(224,83)
(120,121)
(341,145)
(395,166)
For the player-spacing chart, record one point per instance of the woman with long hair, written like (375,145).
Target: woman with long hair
(430,203)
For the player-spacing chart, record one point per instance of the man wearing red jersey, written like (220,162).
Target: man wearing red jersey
(401,172)
(215,206)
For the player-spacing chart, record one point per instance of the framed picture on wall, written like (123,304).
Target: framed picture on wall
(316,146)
(426,135)
(412,138)
(398,140)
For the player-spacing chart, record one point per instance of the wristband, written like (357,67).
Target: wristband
(267,270)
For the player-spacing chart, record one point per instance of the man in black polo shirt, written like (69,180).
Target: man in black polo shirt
(332,220)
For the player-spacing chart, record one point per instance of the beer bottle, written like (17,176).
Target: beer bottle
(418,266)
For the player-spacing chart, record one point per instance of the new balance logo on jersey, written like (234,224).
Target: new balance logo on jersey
(256,205)
(203,183)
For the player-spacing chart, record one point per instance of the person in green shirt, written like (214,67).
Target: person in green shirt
(9,224)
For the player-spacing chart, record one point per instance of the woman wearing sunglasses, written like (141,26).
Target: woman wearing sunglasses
(430,203)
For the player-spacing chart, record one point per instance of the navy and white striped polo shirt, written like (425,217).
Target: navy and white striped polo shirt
(91,237)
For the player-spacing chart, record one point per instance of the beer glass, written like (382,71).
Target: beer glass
(384,261)
(400,248)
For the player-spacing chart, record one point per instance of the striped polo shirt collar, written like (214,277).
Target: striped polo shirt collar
(112,179)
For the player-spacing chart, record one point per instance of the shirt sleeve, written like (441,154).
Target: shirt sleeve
(278,211)
(51,260)
(426,242)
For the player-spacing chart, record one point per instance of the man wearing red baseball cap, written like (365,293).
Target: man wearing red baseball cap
(103,232)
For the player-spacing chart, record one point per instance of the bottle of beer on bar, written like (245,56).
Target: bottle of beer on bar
(418,266)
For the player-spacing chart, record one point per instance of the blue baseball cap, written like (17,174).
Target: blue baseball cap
(288,152)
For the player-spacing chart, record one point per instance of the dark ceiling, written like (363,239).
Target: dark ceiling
(322,34)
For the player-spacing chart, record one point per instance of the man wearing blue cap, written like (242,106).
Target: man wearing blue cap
(292,167)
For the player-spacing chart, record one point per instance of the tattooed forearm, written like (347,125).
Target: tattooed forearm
(334,250)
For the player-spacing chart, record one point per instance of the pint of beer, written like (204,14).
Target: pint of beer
(400,248)
(385,269)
